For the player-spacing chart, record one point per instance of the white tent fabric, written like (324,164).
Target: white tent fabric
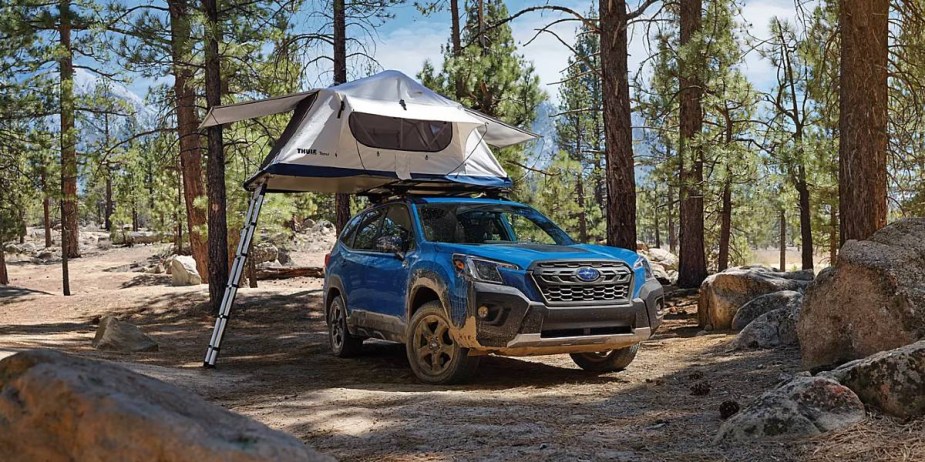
(376,131)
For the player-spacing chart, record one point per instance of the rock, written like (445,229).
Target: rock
(641,246)
(55,406)
(787,299)
(26,248)
(308,223)
(770,330)
(662,257)
(659,272)
(116,335)
(872,300)
(183,271)
(892,381)
(722,294)
(263,252)
(45,255)
(283,257)
(142,237)
(800,408)
(104,243)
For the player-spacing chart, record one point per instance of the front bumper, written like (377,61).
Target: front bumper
(511,324)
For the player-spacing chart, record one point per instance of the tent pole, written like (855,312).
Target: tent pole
(234,277)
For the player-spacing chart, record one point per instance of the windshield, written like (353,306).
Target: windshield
(489,224)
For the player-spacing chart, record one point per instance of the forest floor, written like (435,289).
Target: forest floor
(275,367)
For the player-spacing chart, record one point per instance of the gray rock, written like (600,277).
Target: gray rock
(790,300)
(892,381)
(773,329)
(264,252)
(722,294)
(663,257)
(283,257)
(802,407)
(183,271)
(872,300)
(55,406)
(116,335)
(143,237)
(104,243)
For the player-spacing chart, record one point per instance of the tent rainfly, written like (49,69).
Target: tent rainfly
(369,136)
(369,133)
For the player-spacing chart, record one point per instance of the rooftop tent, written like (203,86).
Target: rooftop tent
(369,133)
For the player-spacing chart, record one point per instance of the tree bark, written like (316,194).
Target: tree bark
(341,201)
(692,268)
(188,130)
(68,137)
(806,230)
(725,226)
(108,208)
(215,168)
(864,30)
(783,240)
(619,173)
(672,234)
(833,236)
(4,275)
(456,40)
(46,208)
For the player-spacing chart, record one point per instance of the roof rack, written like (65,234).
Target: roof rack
(404,188)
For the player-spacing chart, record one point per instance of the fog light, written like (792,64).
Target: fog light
(483,312)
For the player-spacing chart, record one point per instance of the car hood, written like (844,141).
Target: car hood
(523,255)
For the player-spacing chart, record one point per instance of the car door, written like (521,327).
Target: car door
(356,260)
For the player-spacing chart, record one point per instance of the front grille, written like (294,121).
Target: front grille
(560,285)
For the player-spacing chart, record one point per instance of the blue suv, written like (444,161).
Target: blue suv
(457,278)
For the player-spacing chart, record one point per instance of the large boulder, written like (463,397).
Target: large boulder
(802,407)
(263,252)
(663,257)
(790,300)
(892,381)
(773,329)
(722,294)
(59,407)
(113,334)
(872,300)
(183,271)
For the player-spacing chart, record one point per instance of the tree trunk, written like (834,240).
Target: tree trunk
(4,276)
(65,274)
(863,25)
(658,232)
(672,234)
(725,226)
(692,269)
(46,208)
(341,201)
(806,230)
(620,174)
(108,207)
(188,131)
(783,241)
(582,213)
(457,46)
(833,236)
(68,137)
(215,169)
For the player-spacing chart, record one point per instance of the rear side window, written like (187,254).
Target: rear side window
(368,229)
(397,226)
(399,134)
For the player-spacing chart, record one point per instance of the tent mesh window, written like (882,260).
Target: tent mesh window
(384,132)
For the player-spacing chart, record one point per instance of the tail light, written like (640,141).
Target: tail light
(327,259)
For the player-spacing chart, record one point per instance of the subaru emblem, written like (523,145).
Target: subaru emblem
(586,274)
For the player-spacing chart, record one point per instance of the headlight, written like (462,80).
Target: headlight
(481,269)
(644,263)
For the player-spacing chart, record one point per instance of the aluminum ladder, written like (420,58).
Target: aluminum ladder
(234,277)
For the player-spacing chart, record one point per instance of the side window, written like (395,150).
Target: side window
(368,229)
(397,231)
(346,236)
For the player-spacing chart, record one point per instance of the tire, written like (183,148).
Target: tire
(607,361)
(343,344)
(433,354)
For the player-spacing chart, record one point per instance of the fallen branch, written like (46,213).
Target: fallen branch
(290,272)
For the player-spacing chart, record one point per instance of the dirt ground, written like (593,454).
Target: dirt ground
(275,367)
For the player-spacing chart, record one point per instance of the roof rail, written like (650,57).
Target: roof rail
(410,188)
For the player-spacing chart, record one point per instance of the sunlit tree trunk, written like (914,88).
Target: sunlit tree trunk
(692,269)
(69,212)
(783,240)
(864,29)
(620,174)
(215,168)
